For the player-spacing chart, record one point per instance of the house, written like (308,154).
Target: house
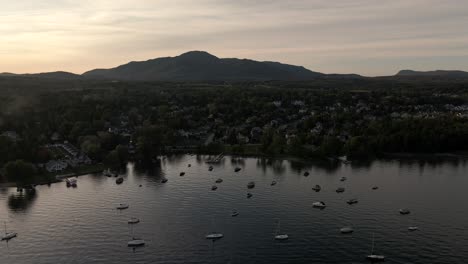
(298,103)
(277,103)
(11,135)
(55,137)
(56,165)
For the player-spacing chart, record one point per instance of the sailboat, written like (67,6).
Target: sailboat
(372,257)
(7,235)
(135,242)
(280,236)
(214,235)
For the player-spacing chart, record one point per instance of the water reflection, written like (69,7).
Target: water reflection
(22,201)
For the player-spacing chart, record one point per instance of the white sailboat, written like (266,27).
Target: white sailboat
(136,242)
(278,235)
(373,257)
(7,235)
(214,235)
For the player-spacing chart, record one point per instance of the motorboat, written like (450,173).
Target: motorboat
(346,230)
(214,236)
(164,180)
(306,173)
(210,168)
(319,204)
(375,187)
(71,182)
(133,220)
(352,201)
(136,242)
(182,174)
(249,195)
(190,165)
(343,179)
(119,180)
(317,188)
(234,213)
(251,185)
(340,190)
(214,187)
(404,211)
(281,237)
(122,206)
(107,173)
(219,180)
(413,228)
(237,169)
(273,183)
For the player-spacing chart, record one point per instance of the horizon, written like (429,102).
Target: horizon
(364,37)
(81,73)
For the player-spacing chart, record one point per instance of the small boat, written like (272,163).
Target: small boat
(182,174)
(214,187)
(8,235)
(237,169)
(317,188)
(249,195)
(319,204)
(343,179)
(280,236)
(346,230)
(133,220)
(352,201)
(214,236)
(306,173)
(234,213)
(107,173)
(373,257)
(273,183)
(71,182)
(190,165)
(251,185)
(119,180)
(135,242)
(413,228)
(404,211)
(375,187)
(164,180)
(122,206)
(340,190)
(219,180)
(210,168)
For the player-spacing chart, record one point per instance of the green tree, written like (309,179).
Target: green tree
(20,172)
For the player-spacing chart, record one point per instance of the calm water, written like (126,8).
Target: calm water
(67,225)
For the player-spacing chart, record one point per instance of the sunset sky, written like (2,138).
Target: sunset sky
(368,37)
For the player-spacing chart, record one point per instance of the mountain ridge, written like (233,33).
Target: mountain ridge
(201,66)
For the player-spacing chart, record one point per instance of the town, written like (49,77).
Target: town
(103,125)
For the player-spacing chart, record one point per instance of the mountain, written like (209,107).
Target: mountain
(49,75)
(202,66)
(438,73)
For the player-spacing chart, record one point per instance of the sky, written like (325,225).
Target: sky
(368,37)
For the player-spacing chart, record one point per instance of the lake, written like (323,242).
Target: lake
(81,225)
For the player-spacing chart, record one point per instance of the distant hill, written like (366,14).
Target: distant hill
(438,73)
(202,66)
(50,75)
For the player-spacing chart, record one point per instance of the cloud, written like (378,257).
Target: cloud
(328,36)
